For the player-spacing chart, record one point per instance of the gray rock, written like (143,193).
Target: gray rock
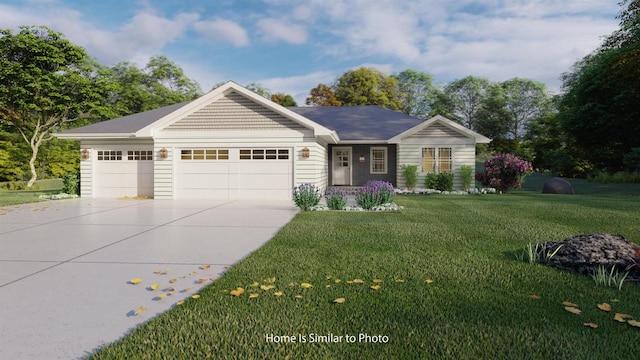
(557,186)
(585,253)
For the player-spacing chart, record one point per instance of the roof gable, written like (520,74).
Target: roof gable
(233,111)
(440,126)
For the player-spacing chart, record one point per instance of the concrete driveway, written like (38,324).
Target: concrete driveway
(65,265)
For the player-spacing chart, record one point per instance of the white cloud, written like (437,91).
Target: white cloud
(223,30)
(298,86)
(275,30)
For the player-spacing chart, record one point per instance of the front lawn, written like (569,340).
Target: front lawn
(14,197)
(478,305)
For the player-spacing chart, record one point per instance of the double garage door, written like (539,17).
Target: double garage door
(233,173)
(211,173)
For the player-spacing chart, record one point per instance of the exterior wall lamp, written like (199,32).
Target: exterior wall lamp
(361,158)
(164,153)
(305,153)
(84,154)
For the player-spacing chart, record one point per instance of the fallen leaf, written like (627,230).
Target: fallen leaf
(182,276)
(619,319)
(196,296)
(266,287)
(298,296)
(237,292)
(154,286)
(170,288)
(254,284)
(375,287)
(213,278)
(306,285)
(328,277)
(337,281)
(278,293)
(591,325)
(193,273)
(139,310)
(271,279)
(534,297)
(135,281)
(570,304)
(327,286)
(339,300)
(254,295)
(634,323)
(180,302)
(186,290)
(377,281)
(205,267)
(200,281)
(573,310)
(604,307)
(358,281)
(399,280)
(349,281)
(624,316)
(173,281)
(615,300)
(428,281)
(157,271)
(161,296)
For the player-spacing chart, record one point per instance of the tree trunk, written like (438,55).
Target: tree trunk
(32,165)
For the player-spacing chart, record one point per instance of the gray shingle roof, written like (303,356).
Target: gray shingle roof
(359,122)
(127,124)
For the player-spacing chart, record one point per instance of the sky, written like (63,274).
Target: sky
(291,46)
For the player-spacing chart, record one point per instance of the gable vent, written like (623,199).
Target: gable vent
(437,130)
(234,112)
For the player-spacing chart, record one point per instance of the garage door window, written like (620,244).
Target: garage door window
(104,155)
(204,154)
(140,155)
(264,154)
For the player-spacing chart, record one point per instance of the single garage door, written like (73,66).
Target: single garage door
(121,173)
(233,173)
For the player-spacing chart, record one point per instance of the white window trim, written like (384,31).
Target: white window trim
(437,158)
(386,160)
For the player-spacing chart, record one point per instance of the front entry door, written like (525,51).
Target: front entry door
(341,166)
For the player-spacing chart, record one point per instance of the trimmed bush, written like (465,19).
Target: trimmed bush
(71,183)
(410,173)
(466,175)
(336,199)
(306,195)
(504,172)
(375,193)
(439,181)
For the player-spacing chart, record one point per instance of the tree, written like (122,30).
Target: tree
(599,109)
(160,83)
(46,82)
(322,95)
(259,89)
(463,100)
(416,93)
(283,99)
(524,101)
(366,86)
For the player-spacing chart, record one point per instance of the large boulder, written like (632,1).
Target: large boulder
(585,253)
(557,186)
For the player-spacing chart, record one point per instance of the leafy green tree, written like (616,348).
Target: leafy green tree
(259,89)
(463,100)
(283,99)
(599,109)
(367,86)
(416,92)
(524,101)
(46,82)
(322,95)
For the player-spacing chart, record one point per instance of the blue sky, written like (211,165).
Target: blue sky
(290,46)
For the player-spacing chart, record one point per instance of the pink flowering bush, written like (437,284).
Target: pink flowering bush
(504,172)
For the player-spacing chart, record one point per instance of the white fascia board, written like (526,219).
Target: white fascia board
(84,136)
(481,139)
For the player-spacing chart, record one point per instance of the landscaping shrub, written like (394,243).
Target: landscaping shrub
(410,173)
(466,175)
(504,172)
(439,181)
(375,193)
(306,195)
(71,183)
(336,199)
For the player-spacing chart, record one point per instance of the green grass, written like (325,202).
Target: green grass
(478,306)
(46,186)
(535,181)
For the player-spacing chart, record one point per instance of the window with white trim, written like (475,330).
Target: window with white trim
(139,155)
(204,154)
(109,155)
(378,156)
(264,154)
(436,160)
